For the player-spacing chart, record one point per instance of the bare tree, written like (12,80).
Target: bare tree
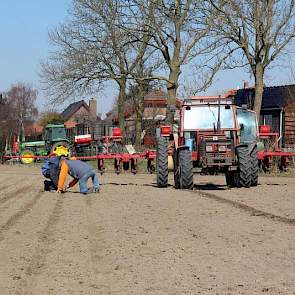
(178,32)
(91,49)
(135,99)
(260,30)
(6,128)
(21,99)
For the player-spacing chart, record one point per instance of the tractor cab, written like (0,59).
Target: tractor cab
(54,133)
(56,139)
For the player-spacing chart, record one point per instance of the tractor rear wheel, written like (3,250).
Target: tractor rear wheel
(61,148)
(254,167)
(185,168)
(27,153)
(162,163)
(244,165)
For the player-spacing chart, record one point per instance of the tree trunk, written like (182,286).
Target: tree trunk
(138,128)
(121,100)
(259,73)
(139,112)
(171,91)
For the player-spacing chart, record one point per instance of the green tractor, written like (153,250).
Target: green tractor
(54,141)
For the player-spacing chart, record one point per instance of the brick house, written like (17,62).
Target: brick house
(277,110)
(80,117)
(79,111)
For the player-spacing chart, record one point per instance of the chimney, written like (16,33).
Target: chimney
(93,108)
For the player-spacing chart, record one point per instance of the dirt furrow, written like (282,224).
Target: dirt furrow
(13,194)
(19,214)
(38,259)
(7,184)
(253,211)
(97,246)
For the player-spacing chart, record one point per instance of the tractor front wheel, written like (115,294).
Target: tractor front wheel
(244,167)
(185,169)
(162,163)
(254,167)
(176,171)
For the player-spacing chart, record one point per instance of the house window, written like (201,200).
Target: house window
(271,118)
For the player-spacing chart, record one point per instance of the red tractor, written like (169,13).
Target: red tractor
(214,136)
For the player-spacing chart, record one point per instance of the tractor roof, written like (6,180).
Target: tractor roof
(196,100)
(55,126)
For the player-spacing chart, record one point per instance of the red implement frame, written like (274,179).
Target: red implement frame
(267,155)
(120,159)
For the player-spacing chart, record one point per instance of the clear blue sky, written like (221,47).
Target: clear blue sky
(24,26)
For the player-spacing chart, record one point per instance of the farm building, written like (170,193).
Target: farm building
(278,110)
(80,111)
(80,117)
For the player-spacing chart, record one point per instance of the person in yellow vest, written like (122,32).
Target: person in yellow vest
(81,172)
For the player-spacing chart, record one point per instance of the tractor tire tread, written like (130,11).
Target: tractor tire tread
(254,167)
(162,163)
(245,170)
(186,174)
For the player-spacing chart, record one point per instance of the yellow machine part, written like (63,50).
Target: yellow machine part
(27,153)
(61,151)
(170,163)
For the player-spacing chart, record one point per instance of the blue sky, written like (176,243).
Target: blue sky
(24,26)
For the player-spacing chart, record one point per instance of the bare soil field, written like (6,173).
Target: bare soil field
(133,238)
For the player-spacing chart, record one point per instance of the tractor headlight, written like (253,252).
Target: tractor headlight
(222,148)
(209,148)
(227,134)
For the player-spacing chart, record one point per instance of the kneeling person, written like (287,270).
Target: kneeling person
(81,172)
(50,171)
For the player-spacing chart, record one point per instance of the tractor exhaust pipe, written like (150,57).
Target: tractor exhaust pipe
(218,117)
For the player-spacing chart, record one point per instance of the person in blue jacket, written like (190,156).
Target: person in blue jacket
(50,171)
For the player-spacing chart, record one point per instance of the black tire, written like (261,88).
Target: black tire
(254,167)
(185,168)
(229,178)
(232,178)
(126,166)
(244,167)
(162,163)
(176,171)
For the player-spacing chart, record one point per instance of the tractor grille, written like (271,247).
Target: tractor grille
(218,150)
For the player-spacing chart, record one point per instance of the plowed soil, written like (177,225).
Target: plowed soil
(133,238)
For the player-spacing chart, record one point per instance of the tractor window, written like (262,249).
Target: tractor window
(248,125)
(48,134)
(58,133)
(205,117)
